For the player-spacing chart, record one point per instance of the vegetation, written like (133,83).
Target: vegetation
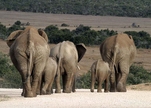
(137,75)
(10,77)
(82,34)
(142,39)
(134,8)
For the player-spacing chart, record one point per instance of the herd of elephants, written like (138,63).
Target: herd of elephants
(40,66)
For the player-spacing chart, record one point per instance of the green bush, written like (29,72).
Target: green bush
(9,74)
(3,31)
(84,81)
(137,75)
(142,39)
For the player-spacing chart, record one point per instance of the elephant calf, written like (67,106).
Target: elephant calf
(100,72)
(47,78)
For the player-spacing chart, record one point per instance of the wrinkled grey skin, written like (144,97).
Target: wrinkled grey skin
(67,56)
(47,78)
(119,51)
(100,72)
(29,52)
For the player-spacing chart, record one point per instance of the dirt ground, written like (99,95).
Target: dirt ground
(83,98)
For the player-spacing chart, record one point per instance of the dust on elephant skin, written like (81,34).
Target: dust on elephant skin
(29,52)
(119,51)
(67,56)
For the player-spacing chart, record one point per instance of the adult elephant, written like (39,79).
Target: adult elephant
(119,51)
(67,56)
(29,52)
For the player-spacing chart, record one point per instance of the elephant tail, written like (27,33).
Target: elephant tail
(60,57)
(114,53)
(29,54)
(97,63)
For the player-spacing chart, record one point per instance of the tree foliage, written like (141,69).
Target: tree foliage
(134,8)
(82,34)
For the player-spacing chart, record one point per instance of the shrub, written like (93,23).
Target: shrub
(138,75)
(84,81)
(9,74)
(64,25)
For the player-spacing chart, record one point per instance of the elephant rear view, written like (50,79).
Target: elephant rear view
(100,72)
(119,51)
(67,56)
(29,52)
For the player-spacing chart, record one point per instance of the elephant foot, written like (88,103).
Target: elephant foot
(43,92)
(29,94)
(112,90)
(120,87)
(22,94)
(99,91)
(92,90)
(66,91)
(38,92)
(57,91)
(73,90)
(48,93)
(106,91)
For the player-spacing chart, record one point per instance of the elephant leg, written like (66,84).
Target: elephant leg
(68,83)
(112,81)
(48,85)
(106,85)
(99,86)
(57,82)
(20,64)
(92,81)
(124,70)
(40,83)
(22,68)
(73,84)
(64,81)
(38,69)
(23,91)
(49,89)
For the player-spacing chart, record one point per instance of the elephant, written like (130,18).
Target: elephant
(100,72)
(67,55)
(29,52)
(47,78)
(119,51)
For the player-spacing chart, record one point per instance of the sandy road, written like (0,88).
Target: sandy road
(81,99)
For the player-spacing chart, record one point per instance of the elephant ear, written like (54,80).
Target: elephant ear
(81,49)
(11,38)
(43,34)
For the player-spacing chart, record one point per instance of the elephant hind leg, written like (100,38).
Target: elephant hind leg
(121,84)
(99,86)
(68,84)
(106,85)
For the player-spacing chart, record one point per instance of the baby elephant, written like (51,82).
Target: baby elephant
(47,78)
(100,72)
